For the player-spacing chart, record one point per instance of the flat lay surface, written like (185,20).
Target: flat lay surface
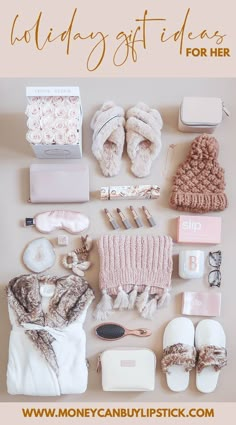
(16,156)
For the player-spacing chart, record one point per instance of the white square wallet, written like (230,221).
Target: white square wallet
(59,182)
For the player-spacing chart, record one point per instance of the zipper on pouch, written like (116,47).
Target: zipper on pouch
(99,362)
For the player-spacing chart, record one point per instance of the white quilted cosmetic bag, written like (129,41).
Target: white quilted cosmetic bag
(201,114)
(128,369)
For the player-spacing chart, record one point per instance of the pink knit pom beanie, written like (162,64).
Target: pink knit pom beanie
(136,270)
(199,184)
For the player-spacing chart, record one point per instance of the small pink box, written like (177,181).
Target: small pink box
(201,303)
(195,229)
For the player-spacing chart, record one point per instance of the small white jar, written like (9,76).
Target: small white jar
(191,264)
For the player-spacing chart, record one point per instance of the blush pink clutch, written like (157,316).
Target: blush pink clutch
(59,182)
(201,303)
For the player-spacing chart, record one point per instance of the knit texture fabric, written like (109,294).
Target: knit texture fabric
(135,260)
(135,269)
(199,183)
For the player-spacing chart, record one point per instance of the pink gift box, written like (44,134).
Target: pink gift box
(196,229)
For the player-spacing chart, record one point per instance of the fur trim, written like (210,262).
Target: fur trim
(178,354)
(72,296)
(108,137)
(143,137)
(211,355)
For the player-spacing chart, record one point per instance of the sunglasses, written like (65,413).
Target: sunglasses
(214,277)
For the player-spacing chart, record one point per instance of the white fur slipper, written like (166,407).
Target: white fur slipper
(210,343)
(108,137)
(143,137)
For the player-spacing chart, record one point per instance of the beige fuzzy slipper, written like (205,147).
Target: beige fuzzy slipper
(108,137)
(143,138)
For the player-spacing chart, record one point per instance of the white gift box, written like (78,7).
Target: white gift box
(200,114)
(54,121)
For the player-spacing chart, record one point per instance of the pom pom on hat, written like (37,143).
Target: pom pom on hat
(198,185)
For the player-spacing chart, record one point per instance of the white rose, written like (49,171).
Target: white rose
(34,136)
(61,111)
(48,136)
(47,121)
(46,99)
(73,112)
(72,137)
(73,100)
(48,109)
(59,137)
(33,123)
(72,124)
(58,100)
(59,124)
(34,100)
(33,110)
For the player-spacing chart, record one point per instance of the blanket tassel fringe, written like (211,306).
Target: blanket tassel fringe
(122,300)
(142,299)
(132,298)
(104,307)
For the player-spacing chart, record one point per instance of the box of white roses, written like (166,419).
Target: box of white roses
(54,122)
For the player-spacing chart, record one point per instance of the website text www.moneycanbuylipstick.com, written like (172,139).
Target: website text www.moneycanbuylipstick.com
(118,413)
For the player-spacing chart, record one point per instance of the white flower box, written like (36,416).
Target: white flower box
(54,121)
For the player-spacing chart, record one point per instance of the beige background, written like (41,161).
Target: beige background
(111,18)
(15,158)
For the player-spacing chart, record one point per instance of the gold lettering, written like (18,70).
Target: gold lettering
(26,35)
(125,43)
(67,33)
(130,42)
(102,54)
(144,20)
(204,34)
(62,36)
(178,34)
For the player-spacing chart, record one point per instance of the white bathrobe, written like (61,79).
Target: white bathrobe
(28,371)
